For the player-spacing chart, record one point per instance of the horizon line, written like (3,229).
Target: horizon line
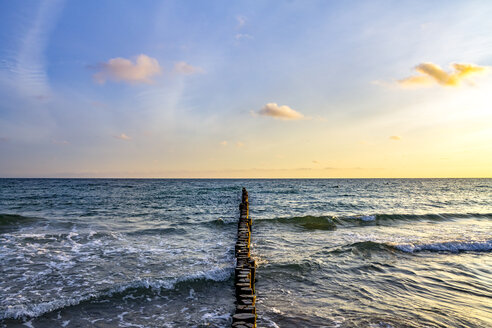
(245,178)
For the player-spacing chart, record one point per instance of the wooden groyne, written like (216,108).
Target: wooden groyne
(244,280)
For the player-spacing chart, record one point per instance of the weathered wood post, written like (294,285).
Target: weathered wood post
(245,272)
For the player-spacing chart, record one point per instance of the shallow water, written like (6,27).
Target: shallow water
(331,253)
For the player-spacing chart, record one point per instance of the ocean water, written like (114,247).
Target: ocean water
(331,253)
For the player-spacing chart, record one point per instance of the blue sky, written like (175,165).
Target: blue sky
(245,89)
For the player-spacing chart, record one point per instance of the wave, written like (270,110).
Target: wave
(158,231)
(436,217)
(332,222)
(389,218)
(370,246)
(301,267)
(14,219)
(141,286)
(448,247)
(224,222)
(438,247)
(308,222)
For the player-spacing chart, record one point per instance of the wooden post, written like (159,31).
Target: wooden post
(244,280)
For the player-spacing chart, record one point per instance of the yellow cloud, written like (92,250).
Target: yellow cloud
(124,70)
(280,112)
(395,138)
(432,74)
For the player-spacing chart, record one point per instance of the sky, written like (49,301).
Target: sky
(246,89)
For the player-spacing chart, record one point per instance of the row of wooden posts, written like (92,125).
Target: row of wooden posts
(244,281)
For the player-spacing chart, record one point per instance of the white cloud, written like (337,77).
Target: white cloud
(243,36)
(280,112)
(25,67)
(185,68)
(241,20)
(124,70)
(123,137)
(431,74)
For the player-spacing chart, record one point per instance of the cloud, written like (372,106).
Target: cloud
(123,137)
(4,139)
(395,138)
(29,65)
(124,70)
(280,112)
(243,36)
(239,144)
(241,20)
(223,143)
(185,68)
(431,74)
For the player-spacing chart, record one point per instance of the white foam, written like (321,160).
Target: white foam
(452,247)
(275,310)
(121,315)
(34,310)
(338,321)
(211,316)
(365,218)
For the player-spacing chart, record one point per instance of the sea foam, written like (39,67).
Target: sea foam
(22,311)
(450,247)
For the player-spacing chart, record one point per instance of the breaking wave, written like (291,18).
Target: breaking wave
(24,311)
(389,218)
(448,247)
(332,222)
(438,247)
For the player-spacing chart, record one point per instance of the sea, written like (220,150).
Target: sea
(330,252)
